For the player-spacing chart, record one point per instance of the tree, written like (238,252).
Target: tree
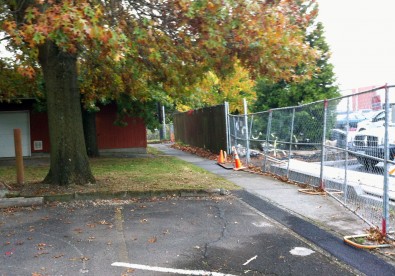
(53,32)
(159,44)
(213,90)
(320,85)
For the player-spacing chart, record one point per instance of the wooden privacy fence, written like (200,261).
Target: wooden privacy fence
(203,128)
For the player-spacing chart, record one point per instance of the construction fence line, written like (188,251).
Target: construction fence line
(204,127)
(344,146)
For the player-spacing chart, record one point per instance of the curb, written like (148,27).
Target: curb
(20,201)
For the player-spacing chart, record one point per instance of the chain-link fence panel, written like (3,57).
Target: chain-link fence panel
(306,147)
(345,146)
(155,135)
(238,136)
(355,159)
(258,123)
(278,141)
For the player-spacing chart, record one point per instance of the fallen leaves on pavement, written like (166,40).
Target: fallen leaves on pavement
(375,235)
(197,151)
(152,239)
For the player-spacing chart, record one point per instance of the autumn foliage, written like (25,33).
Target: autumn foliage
(71,24)
(144,50)
(165,44)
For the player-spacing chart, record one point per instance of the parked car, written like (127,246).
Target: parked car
(342,138)
(353,120)
(370,142)
(376,120)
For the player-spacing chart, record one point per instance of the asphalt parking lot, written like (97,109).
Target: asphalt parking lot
(172,236)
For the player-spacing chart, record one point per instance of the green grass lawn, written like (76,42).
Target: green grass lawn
(153,172)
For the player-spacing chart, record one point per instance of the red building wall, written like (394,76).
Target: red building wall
(39,131)
(110,136)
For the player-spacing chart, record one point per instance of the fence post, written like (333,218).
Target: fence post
(346,157)
(227,128)
(235,119)
(246,134)
(269,125)
(290,140)
(163,123)
(386,157)
(251,125)
(322,184)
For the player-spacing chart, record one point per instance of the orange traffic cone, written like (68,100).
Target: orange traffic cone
(238,165)
(221,157)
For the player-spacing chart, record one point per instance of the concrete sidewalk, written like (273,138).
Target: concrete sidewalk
(319,219)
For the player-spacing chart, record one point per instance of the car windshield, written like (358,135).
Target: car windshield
(351,117)
(374,114)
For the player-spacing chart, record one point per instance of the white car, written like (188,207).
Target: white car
(370,143)
(377,120)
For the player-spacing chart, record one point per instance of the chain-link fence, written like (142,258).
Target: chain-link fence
(160,135)
(345,146)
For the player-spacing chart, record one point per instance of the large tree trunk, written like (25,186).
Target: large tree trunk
(69,161)
(89,122)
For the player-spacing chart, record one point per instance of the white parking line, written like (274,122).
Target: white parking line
(253,258)
(170,270)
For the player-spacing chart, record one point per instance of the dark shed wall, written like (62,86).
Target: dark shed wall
(204,128)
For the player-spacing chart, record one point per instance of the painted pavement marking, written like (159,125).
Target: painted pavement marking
(170,270)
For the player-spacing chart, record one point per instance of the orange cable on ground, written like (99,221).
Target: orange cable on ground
(347,239)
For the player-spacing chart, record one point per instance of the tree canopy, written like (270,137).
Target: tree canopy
(16,84)
(214,90)
(171,43)
(144,49)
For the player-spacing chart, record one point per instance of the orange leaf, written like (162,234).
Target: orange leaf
(152,239)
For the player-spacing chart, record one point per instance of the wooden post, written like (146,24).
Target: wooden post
(18,156)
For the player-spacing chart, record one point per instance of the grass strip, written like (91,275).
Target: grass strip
(150,173)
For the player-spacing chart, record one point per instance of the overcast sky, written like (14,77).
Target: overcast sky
(361,35)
